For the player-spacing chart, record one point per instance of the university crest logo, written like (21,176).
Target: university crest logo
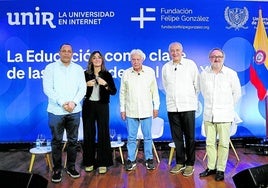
(236,17)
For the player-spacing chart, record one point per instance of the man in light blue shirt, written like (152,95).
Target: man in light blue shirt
(65,86)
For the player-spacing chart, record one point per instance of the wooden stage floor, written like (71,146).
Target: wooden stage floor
(117,177)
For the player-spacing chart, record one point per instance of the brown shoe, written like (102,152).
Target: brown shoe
(189,170)
(177,169)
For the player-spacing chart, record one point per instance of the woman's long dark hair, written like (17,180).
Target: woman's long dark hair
(90,66)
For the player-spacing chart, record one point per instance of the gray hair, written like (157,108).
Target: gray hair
(173,43)
(219,49)
(137,52)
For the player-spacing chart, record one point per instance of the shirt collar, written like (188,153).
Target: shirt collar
(223,69)
(133,71)
(180,63)
(62,64)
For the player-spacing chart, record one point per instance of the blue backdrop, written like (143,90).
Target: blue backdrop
(31,32)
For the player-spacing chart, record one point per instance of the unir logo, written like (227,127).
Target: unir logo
(29,18)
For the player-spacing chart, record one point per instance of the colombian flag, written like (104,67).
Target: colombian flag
(258,70)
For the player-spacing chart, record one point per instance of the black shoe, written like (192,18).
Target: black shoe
(56,177)
(207,172)
(150,164)
(130,165)
(219,176)
(73,173)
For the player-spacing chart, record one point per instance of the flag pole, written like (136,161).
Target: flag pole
(261,53)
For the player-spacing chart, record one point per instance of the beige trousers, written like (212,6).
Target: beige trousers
(217,144)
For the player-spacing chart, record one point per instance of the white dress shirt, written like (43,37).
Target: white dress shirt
(139,93)
(180,82)
(221,92)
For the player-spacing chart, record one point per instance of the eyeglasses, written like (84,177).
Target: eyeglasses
(215,57)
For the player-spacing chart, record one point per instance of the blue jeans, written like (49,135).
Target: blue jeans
(132,127)
(57,124)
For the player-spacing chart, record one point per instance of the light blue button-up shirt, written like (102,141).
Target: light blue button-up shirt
(63,84)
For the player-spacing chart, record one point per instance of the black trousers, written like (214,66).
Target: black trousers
(95,117)
(182,125)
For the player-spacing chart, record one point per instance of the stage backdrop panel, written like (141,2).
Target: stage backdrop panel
(31,32)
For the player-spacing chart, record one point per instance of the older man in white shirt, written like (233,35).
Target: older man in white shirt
(180,81)
(139,102)
(221,90)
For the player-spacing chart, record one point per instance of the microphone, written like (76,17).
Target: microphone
(138,73)
(175,68)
